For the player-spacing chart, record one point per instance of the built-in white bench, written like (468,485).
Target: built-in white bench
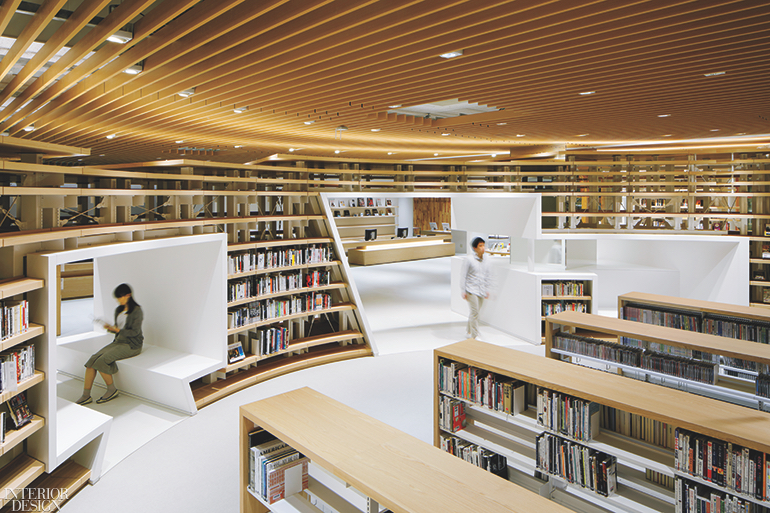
(158,374)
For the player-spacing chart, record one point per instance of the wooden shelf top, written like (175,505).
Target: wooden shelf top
(282,269)
(397,470)
(332,286)
(14,286)
(243,246)
(18,474)
(713,344)
(710,417)
(699,305)
(339,307)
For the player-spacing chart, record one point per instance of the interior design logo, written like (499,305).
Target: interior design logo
(34,499)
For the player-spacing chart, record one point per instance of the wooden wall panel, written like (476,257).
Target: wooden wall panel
(437,210)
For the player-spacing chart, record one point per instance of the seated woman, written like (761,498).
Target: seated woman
(127,343)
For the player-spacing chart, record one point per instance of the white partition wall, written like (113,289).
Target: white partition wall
(180,283)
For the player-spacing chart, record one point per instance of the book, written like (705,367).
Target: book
(361,202)
(19,410)
(235,352)
(367,212)
(336,213)
(765,250)
(369,202)
(346,213)
(758,275)
(388,203)
(286,480)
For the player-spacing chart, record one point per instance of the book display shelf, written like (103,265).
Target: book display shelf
(359,464)
(686,360)
(565,295)
(759,277)
(672,451)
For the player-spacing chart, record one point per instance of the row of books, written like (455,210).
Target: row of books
(14,318)
(269,340)
(576,463)
(692,497)
(563,288)
(276,470)
(739,469)
(451,414)
(367,212)
(361,202)
(670,319)
(481,387)
(476,455)
(763,385)
(600,349)
(636,426)
(258,259)
(276,308)
(570,416)
(16,365)
(254,286)
(685,368)
(564,306)
(670,350)
(737,328)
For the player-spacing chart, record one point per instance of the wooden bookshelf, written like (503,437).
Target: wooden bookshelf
(332,286)
(18,474)
(676,408)
(390,468)
(15,286)
(692,305)
(722,387)
(66,480)
(340,307)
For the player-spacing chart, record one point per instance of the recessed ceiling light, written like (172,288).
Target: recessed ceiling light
(714,74)
(187,92)
(449,55)
(586,93)
(179,141)
(112,136)
(121,37)
(29,128)
(309,122)
(376,129)
(240,110)
(394,106)
(134,70)
(501,124)
(581,135)
(494,155)
(714,130)
(741,133)
(446,133)
(291,149)
(435,154)
(391,153)
(520,135)
(238,146)
(664,115)
(666,135)
(336,151)
(101,154)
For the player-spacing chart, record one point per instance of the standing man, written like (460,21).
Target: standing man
(475,280)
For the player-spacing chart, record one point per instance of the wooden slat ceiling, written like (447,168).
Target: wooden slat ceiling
(345,62)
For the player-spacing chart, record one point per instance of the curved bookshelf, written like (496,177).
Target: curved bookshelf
(332,286)
(340,307)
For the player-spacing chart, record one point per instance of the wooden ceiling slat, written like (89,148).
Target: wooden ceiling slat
(160,16)
(121,15)
(7,10)
(82,15)
(31,30)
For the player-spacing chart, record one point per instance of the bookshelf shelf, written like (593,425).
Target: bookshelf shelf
(14,438)
(755,283)
(33,331)
(340,307)
(400,472)
(705,482)
(243,246)
(69,477)
(675,408)
(26,384)
(14,286)
(17,474)
(559,298)
(332,286)
(283,269)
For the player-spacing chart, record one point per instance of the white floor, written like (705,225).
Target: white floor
(193,466)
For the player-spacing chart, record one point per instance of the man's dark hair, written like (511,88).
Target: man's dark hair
(477,241)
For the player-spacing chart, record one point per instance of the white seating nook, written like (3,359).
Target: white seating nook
(175,280)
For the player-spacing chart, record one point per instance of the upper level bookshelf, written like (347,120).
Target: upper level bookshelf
(638,424)
(388,467)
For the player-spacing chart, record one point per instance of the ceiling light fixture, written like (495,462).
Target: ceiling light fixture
(391,153)
(121,37)
(450,55)
(112,136)
(376,129)
(586,93)
(666,135)
(520,135)
(501,124)
(494,155)
(240,110)
(187,92)
(581,135)
(714,74)
(714,130)
(664,115)
(291,149)
(741,133)
(29,128)
(336,151)
(135,69)
(309,122)
(435,154)
(446,133)
(394,106)
(179,141)
(238,146)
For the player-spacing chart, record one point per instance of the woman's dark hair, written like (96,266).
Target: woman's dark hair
(122,290)
(475,244)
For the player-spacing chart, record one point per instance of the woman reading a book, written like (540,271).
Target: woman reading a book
(127,343)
